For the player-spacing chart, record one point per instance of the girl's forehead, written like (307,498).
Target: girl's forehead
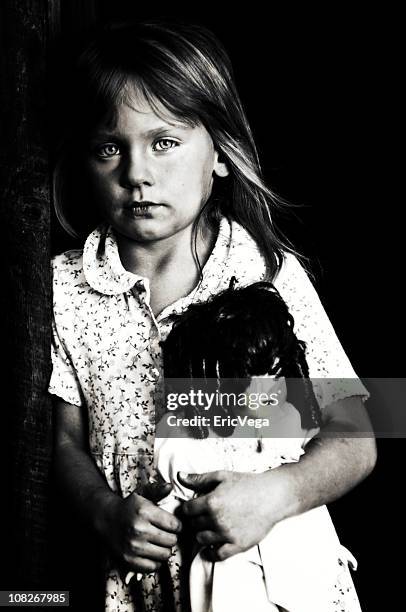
(136,98)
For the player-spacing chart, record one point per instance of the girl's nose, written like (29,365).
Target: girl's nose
(136,171)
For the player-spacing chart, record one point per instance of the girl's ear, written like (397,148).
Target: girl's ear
(220,167)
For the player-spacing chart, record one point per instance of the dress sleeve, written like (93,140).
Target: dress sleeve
(64,382)
(330,369)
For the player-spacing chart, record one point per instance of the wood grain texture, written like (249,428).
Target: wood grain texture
(26,294)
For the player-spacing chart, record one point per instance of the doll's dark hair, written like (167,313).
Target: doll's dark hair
(238,334)
(182,70)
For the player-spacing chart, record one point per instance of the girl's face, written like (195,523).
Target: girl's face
(151,176)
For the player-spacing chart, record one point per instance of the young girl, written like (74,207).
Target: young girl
(158,163)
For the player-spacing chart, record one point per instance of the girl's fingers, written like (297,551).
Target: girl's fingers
(146,550)
(160,537)
(209,538)
(219,552)
(225,551)
(202,523)
(196,506)
(163,520)
(156,491)
(202,483)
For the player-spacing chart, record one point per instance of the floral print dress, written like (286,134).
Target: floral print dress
(106,356)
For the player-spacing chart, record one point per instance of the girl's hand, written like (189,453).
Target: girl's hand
(138,532)
(234,510)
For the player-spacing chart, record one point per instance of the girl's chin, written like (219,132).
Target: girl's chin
(150,228)
(146,231)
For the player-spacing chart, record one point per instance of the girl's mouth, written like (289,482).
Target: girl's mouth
(141,209)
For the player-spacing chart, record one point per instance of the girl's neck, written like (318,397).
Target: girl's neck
(170,265)
(178,252)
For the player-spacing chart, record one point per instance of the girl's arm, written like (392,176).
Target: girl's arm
(135,530)
(236,510)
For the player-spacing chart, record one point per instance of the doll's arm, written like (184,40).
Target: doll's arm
(236,510)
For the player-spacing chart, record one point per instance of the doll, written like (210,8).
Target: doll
(240,342)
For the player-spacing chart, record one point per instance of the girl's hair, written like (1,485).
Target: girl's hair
(236,335)
(182,68)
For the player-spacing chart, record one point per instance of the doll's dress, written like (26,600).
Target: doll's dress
(300,565)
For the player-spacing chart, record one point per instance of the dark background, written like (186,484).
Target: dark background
(321,92)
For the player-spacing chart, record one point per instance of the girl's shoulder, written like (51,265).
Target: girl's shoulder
(296,287)
(67,261)
(292,274)
(290,265)
(67,272)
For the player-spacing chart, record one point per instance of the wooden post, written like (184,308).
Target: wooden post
(26,291)
(28,32)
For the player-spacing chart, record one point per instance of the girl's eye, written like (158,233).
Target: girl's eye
(107,150)
(164,144)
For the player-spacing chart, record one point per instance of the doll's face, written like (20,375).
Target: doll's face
(263,394)
(151,176)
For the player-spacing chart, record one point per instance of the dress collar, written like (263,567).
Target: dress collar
(235,253)
(102,266)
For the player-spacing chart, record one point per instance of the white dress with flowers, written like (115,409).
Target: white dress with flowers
(106,357)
